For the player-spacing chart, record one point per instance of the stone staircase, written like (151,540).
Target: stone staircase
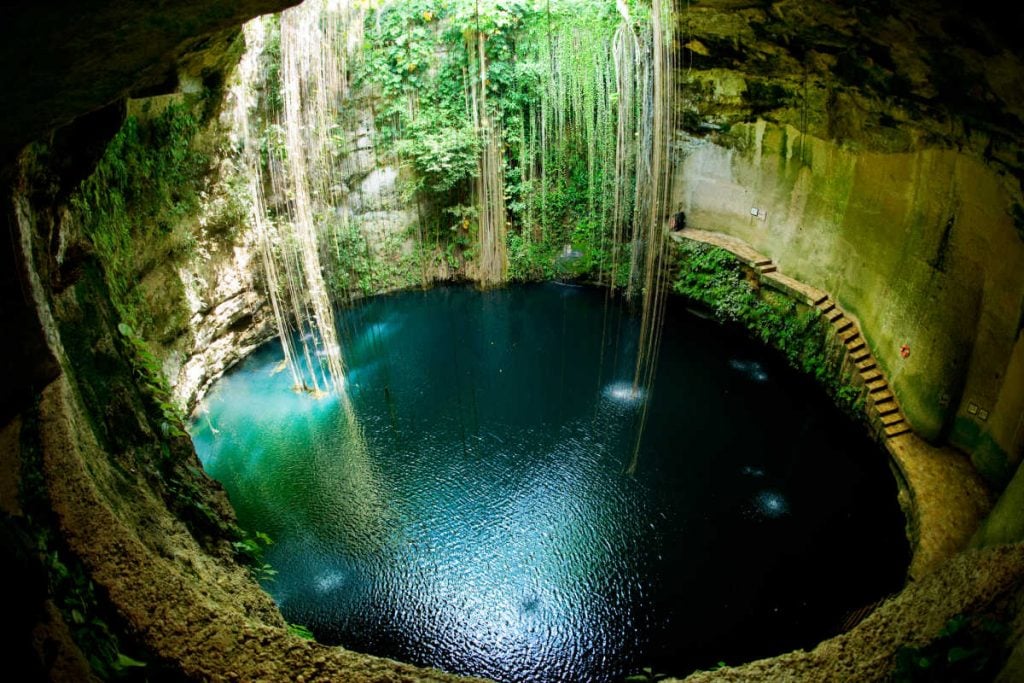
(883,412)
(881,406)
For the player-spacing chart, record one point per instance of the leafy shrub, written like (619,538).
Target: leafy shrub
(968,648)
(715,278)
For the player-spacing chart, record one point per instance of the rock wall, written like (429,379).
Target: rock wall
(220,299)
(874,152)
(371,198)
(213,301)
(919,245)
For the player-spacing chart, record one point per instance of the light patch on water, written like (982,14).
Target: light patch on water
(770,504)
(750,369)
(372,336)
(624,393)
(752,471)
(382,329)
(329,581)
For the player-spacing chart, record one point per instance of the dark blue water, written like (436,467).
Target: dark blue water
(474,513)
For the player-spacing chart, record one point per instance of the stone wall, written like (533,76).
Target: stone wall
(919,245)
(879,147)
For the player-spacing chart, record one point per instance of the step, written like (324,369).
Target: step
(866,364)
(767,269)
(820,300)
(897,429)
(833,314)
(871,375)
(891,418)
(842,324)
(859,354)
(762,262)
(881,396)
(877,385)
(857,344)
(849,334)
(887,407)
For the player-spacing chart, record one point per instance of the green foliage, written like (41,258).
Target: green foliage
(301,631)
(134,203)
(421,57)
(968,648)
(150,377)
(550,91)
(646,675)
(272,95)
(75,596)
(715,278)
(67,580)
(358,269)
(444,157)
(530,260)
(250,549)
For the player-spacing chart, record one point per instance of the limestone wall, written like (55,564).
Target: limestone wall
(919,245)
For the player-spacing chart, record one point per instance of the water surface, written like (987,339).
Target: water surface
(474,512)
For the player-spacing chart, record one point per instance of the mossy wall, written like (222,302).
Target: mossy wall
(920,245)
(1004,524)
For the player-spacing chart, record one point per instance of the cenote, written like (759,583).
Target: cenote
(473,510)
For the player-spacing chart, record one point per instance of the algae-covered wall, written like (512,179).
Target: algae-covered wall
(919,245)
(879,148)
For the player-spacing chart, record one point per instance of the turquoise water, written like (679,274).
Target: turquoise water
(472,511)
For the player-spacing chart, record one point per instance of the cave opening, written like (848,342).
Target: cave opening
(202,198)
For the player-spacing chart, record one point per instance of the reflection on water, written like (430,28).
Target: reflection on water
(624,393)
(472,512)
(750,369)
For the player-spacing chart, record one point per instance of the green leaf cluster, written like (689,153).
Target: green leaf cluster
(75,595)
(715,278)
(968,648)
(420,58)
(132,208)
(150,377)
(250,549)
(443,156)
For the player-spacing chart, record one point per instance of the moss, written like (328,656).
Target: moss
(91,622)
(990,459)
(137,210)
(716,279)
(133,205)
(1005,524)
(763,97)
